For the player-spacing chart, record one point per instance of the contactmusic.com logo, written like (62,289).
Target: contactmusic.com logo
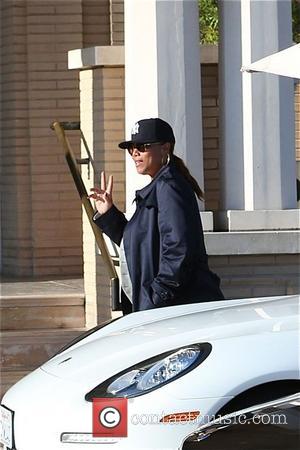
(110,417)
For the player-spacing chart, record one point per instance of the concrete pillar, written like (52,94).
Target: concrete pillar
(162,77)
(256,116)
(97,307)
(101,119)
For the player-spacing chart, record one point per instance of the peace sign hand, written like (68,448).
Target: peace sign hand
(103,196)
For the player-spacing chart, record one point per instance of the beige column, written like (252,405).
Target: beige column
(102,123)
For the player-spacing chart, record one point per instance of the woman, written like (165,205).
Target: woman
(162,249)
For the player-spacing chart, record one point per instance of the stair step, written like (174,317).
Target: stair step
(26,350)
(35,311)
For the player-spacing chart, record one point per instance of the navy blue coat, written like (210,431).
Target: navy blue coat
(164,244)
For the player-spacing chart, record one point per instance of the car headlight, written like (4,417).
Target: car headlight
(152,373)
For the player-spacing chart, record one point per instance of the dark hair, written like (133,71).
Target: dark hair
(180,165)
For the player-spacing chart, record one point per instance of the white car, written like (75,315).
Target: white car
(158,377)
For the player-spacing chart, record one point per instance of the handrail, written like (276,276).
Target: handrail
(114,280)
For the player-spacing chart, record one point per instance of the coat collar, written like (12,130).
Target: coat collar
(143,193)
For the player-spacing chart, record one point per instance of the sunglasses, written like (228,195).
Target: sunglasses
(142,147)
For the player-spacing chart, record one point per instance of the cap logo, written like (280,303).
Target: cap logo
(135,128)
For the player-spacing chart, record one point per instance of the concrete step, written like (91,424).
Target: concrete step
(42,311)
(26,350)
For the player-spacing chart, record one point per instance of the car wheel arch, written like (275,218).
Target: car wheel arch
(259,393)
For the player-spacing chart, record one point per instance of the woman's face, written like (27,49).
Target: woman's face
(150,158)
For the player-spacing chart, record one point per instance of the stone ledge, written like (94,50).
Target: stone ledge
(87,58)
(258,220)
(114,55)
(38,336)
(207,220)
(249,243)
(35,300)
(252,243)
(209,54)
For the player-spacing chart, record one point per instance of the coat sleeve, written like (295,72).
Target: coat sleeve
(112,223)
(177,223)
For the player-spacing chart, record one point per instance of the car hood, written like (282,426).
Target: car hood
(142,335)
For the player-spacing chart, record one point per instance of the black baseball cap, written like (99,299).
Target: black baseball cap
(147,131)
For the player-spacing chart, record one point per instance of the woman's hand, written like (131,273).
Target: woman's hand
(103,196)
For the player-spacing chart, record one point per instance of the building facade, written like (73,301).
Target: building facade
(43,230)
